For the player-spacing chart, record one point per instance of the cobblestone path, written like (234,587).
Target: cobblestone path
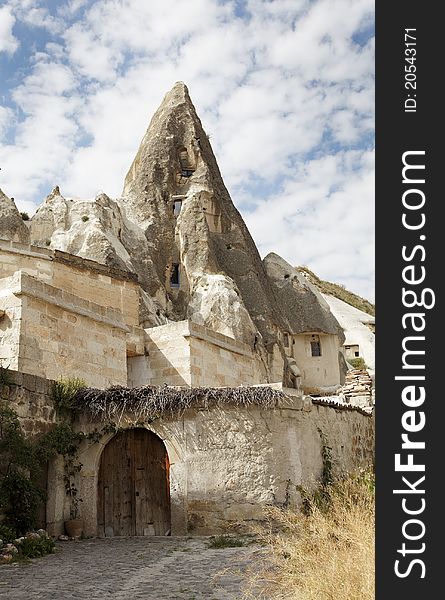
(153,568)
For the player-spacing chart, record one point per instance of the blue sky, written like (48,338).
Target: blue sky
(284,88)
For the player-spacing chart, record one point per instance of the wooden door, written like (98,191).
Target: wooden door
(133,486)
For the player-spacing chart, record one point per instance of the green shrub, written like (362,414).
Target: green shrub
(7,534)
(33,547)
(20,494)
(24,216)
(21,497)
(64,394)
(225,541)
(358,363)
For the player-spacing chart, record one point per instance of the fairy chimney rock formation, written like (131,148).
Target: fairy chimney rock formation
(12,226)
(176,227)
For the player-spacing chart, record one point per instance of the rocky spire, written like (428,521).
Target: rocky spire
(219,260)
(12,226)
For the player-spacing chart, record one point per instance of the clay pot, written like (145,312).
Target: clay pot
(74,527)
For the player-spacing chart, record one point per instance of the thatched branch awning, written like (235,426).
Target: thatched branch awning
(151,402)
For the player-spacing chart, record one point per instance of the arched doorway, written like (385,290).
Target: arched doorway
(133,486)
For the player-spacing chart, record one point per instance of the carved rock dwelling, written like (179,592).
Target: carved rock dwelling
(164,287)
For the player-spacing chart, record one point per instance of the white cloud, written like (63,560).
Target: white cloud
(286,94)
(324,219)
(7,120)
(8,42)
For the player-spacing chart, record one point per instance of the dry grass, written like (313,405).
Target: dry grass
(326,554)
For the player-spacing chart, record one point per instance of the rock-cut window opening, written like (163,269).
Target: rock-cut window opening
(187,169)
(286,340)
(177,205)
(315,346)
(174,277)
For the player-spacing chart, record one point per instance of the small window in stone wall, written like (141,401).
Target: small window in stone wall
(352,351)
(315,346)
(186,167)
(174,278)
(286,340)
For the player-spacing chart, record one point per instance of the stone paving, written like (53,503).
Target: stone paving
(174,568)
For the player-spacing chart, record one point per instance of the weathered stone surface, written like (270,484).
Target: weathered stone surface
(301,303)
(97,230)
(208,237)
(12,226)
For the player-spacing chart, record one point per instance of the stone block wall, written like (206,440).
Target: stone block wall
(61,335)
(185,353)
(218,360)
(226,463)
(31,398)
(61,315)
(81,277)
(169,354)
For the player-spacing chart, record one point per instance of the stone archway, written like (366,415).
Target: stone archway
(133,493)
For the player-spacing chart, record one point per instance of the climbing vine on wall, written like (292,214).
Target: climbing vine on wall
(20,493)
(23,460)
(321,496)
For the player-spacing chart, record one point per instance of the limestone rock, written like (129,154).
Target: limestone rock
(175,162)
(216,303)
(301,303)
(12,226)
(97,230)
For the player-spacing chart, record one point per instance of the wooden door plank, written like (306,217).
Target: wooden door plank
(133,485)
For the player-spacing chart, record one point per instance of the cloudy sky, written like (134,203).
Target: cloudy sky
(283,87)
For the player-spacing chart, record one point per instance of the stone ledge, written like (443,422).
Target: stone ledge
(218,339)
(24,284)
(32,383)
(189,329)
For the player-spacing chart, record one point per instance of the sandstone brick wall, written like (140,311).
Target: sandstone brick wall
(169,354)
(217,360)
(65,316)
(185,353)
(84,278)
(237,460)
(59,334)
(226,463)
(31,397)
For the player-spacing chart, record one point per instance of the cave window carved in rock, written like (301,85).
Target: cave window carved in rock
(174,277)
(286,340)
(177,205)
(315,346)
(352,351)
(187,168)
